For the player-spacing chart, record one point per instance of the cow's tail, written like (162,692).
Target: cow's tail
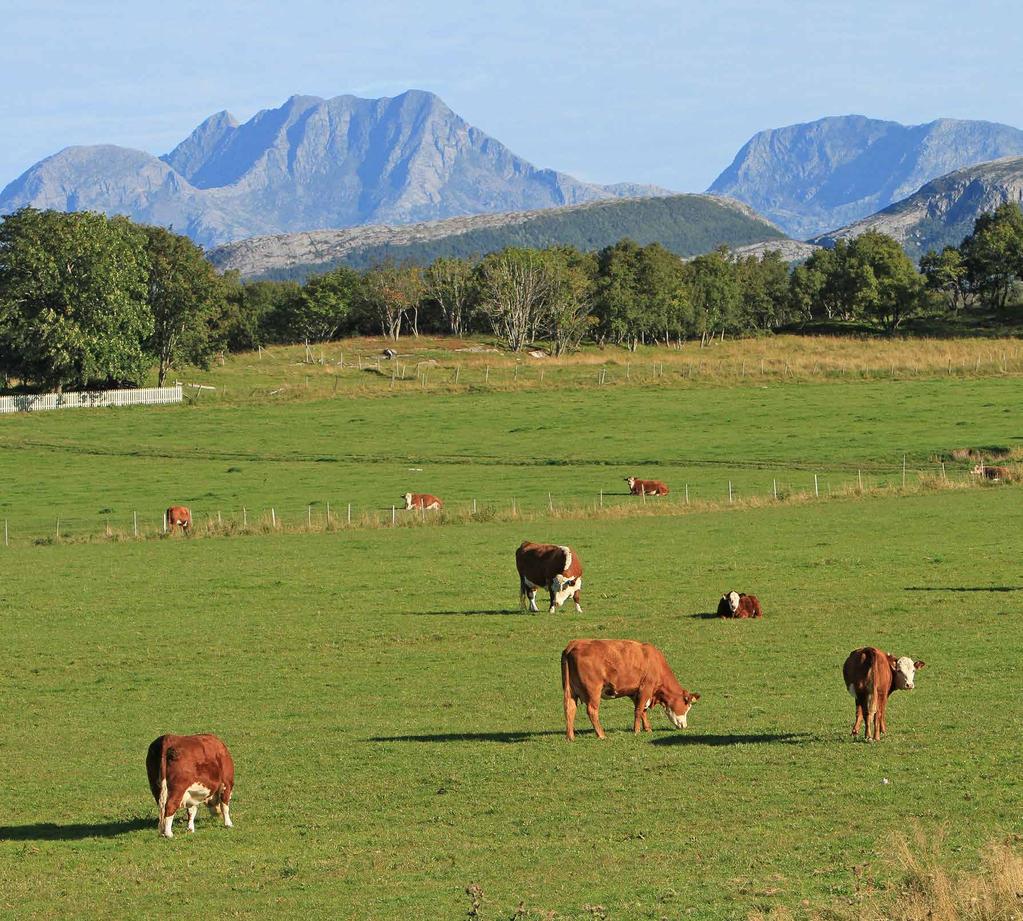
(566,677)
(162,801)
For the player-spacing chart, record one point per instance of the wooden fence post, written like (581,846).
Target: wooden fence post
(776,489)
(816,490)
(903,471)
(7,542)
(602,498)
(729,492)
(859,478)
(349,512)
(58,527)
(328,514)
(309,516)
(135,523)
(273,516)
(245,517)
(687,493)
(392,516)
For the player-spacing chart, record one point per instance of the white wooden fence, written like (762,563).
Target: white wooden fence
(143,396)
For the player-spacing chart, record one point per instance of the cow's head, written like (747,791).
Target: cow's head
(733,601)
(631,480)
(408,500)
(564,588)
(677,707)
(905,671)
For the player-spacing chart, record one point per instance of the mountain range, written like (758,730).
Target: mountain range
(685,224)
(312,163)
(814,177)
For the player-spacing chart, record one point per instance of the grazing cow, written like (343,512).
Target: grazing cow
(739,604)
(992,473)
(872,676)
(557,569)
(646,487)
(421,500)
(591,669)
(178,516)
(187,771)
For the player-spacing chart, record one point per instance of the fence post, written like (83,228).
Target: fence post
(687,493)
(220,520)
(550,502)
(602,498)
(474,506)
(943,471)
(309,516)
(135,523)
(245,517)
(486,378)
(776,489)
(273,516)
(514,509)
(729,492)
(6,538)
(392,516)
(349,512)
(903,471)
(58,527)
(328,514)
(859,478)
(816,490)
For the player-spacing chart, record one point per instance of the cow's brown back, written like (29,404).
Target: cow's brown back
(203,758)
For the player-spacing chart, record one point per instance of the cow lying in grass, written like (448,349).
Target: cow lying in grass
(421,500)
(739,604)
(995,474)
(646,487)
(591,669)
(872,676)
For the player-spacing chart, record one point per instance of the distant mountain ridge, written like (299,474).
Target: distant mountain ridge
(941,212)
(311,163)
(810,178)
(685,224)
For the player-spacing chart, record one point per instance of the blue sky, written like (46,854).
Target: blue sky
(644,91)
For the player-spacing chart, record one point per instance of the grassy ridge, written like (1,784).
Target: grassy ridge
(398,737)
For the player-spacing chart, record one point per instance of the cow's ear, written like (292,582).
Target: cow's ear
(918,664)
(893,663)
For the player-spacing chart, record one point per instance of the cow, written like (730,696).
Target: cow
(421,500)
(646,487)
(992,473)
(187,771)
(872,676)
(739,604)
(591,669)
(178,516)
(550,566)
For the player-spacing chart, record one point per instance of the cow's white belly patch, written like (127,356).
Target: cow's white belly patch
(195,795)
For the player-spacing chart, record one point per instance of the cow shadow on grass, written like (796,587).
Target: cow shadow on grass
(741,738)
(706,615)
(963,588)
(504,737)
(50,831)
(493,612)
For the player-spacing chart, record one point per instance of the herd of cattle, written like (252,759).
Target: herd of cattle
(188,771)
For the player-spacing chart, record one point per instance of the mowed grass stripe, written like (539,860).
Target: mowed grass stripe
(397,723)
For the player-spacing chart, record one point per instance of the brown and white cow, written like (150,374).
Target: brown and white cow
(646,487)
(872,676)
(591,669)
(188,771)
(178,516)
(992,473)
(421,500)
(555,568)
(739,604)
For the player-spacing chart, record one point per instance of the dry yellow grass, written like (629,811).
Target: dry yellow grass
(434,364)
(929,891)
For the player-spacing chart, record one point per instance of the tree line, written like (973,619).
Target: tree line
(88,300)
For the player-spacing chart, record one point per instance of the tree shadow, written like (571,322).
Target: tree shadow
(962,588)
(749,738)
(503,737)
(50,831)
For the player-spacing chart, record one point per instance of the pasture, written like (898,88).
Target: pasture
(397,721)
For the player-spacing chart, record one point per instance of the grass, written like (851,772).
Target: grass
(397,723)
(502,448)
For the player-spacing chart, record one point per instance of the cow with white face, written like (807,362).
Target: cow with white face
(739,604)
(422,501)
(555,568)
(872,676)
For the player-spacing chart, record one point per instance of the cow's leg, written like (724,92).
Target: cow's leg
(872,730)
(638,717)
(173,802)
(554,601)
(531,595)
(882,707)
(570,707)
(192,810)
(225,807)
(592,711)
(860,711)
(578,607)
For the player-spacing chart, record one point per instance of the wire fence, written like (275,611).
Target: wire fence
(330,515)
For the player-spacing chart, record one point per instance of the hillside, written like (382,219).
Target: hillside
(685,224)
(312,163)
(943,211)
(813,177)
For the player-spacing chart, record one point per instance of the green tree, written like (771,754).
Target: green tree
(451,284)
(187,299)
(714,293)
(993,254)
(890,289)
(515,291)
(392,293)
(570,298)
(946,274)
(323,307)
(73,306)
(764,290)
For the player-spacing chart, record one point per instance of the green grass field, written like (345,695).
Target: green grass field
(396,721)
